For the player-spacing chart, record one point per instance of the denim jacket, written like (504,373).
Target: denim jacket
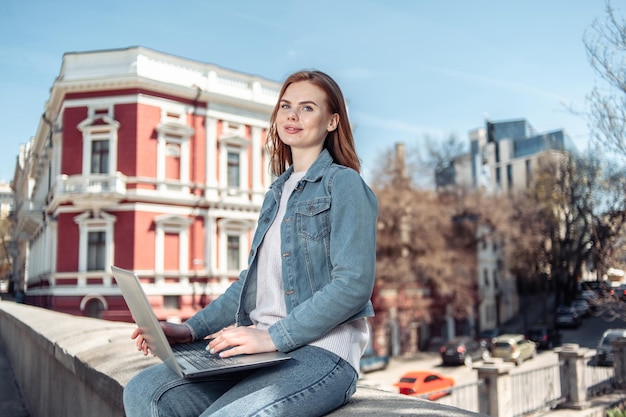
(328,246)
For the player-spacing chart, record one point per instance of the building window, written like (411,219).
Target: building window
(173,155)
(171,302)
(233,252)
(173,152)
(172,243)
(233,158)
(100,157)
(233,170)
(96,251)
(498,178)
(99,141)
(94,308)
(233,244)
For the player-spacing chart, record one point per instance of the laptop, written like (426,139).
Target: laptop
(187,360)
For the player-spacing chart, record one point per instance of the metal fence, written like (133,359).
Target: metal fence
(536,390)
(599,380)
(464,396)
(467,397)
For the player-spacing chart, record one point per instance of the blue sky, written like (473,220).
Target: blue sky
(409,69)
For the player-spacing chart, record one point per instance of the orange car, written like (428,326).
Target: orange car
(418,383)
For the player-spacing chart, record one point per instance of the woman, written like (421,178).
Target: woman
(308,284)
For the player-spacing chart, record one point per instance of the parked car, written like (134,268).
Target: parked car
(371,361)
(486,337)
(581,306)
(567,316)
(604,351)
(463,350)
(419,383)
(620,292)
(601,288)
(544,337)
(513,348)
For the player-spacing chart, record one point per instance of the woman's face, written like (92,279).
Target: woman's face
(303,118)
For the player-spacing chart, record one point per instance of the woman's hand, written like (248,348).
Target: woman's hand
(175,333)
(233,341)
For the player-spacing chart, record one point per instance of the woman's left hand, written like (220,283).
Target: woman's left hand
(233,341)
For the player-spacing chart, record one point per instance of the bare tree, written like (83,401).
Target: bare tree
(605,43)
(577,212)
(431,158)
(439,154)
(426,250)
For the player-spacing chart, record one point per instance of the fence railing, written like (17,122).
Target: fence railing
(536,390)
(599,380)
(466,397)
(570,383)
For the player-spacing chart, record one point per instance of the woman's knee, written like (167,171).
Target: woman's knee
(143,389)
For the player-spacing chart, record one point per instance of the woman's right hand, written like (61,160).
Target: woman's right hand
(175,333)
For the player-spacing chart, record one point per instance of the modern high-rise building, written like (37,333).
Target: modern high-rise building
(147,161)
(503,155)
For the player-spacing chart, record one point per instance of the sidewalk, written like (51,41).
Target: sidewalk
(11,404)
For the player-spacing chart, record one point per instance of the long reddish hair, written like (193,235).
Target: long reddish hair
(339,142)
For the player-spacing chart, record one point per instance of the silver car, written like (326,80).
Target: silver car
(513,348)
(604,352)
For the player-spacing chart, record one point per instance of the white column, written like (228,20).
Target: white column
(210,244)
(211,156)
(258,170)
(159,249)
(160,162)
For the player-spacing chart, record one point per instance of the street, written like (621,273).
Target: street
(586,336)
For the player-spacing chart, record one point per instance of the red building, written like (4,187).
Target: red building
(147,161)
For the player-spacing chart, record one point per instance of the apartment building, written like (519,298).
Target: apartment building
(502,157)
(147,161)
(6,209)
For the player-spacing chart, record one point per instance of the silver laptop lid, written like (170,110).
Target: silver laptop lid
(144,316)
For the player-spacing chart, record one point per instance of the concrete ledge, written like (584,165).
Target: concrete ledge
(77,366)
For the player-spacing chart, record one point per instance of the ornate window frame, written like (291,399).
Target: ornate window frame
(99,125)
(233,141)
(233,227)
(99,222)
(168,223)
(173,130)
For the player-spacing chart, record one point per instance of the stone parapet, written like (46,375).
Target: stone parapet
(77,366)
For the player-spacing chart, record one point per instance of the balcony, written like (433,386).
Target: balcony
(90,192)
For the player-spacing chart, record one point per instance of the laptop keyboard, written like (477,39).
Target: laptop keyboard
(195,354)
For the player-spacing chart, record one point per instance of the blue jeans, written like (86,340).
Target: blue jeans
(313,383)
